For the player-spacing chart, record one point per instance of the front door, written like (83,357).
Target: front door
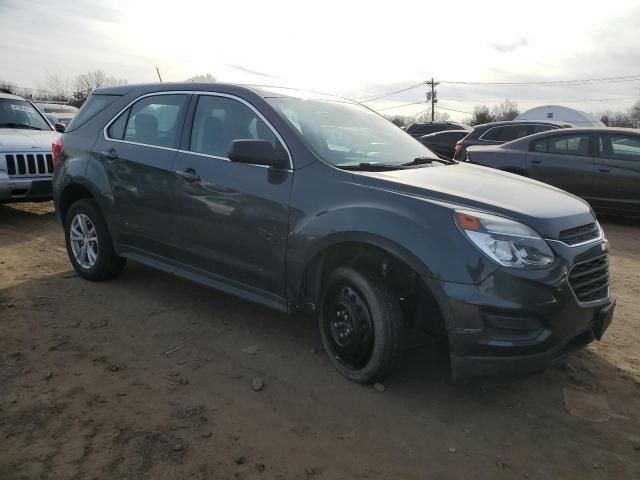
(231,219)
(618,172)
(565,161)
(138,152)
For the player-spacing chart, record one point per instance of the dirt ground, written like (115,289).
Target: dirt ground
(149,376)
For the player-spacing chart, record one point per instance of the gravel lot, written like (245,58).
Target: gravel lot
(149,376)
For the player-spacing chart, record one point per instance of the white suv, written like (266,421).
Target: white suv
(26,165)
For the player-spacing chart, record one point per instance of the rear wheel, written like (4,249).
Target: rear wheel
(89,243)
(361,325)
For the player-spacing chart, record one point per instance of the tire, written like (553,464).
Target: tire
(363,308)
(104,263)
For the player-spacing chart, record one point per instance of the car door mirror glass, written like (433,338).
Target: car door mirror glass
(60,127)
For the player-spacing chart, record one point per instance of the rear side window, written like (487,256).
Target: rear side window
(153,120)
(569,145)
(492,134)
(90,108)
(542,128)
(539,146)
(220,120)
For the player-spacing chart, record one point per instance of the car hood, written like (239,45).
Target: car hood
(547,209)
(22,140)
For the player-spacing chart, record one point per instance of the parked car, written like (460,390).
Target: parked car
(443,143)
(26,164)
(309,203)
(419,129)
(601,165)
(62,113)
(497,133)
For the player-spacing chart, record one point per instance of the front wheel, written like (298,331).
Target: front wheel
(89,243)
(360,324)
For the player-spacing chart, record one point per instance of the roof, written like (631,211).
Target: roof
(562,113)
(10,96)
(265,91)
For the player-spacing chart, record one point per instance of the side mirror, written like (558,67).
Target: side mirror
(59,127)
(257,152)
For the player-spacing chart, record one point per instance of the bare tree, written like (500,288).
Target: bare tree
(506,111)
(57,87)
(205,78)
(84,84)
(439,116)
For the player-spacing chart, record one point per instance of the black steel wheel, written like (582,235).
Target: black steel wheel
(361,325)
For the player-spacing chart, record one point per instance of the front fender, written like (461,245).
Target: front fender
(419,231)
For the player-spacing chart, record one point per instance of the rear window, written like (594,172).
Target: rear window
(94,105)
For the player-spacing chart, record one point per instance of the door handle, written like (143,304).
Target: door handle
(110,155)
(536,161)
(188,174)
(604,170)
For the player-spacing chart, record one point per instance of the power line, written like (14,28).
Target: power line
(586,81)
(403,105)
(383,95)
(454,110)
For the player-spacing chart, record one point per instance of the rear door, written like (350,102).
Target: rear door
(617,172)
(231,219)
(137,152)
(565,161)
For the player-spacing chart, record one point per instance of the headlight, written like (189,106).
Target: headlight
(505,241)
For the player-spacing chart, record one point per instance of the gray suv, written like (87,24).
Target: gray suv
(311,203)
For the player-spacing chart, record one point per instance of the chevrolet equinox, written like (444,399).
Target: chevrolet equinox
(306,202)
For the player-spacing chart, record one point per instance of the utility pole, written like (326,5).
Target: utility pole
(432,96)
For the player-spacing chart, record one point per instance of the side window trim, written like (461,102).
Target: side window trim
(105,130)
(244,102)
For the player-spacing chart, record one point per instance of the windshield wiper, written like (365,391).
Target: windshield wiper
(18,125)
(371,167)
(427,160)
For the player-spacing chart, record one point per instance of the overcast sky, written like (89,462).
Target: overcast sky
(352,48)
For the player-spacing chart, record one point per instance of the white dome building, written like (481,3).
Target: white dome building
(561,114)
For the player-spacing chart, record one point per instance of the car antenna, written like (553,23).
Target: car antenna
(158,71)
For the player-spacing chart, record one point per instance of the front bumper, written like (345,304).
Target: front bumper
(24,189)
(518,322)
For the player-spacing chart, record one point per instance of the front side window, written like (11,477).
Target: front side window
(21,114)
(218,121)
(569,145)
(346,134)
(151,121)
(619,147)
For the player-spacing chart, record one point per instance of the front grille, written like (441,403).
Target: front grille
(28,164)
(590,280)
(584,233)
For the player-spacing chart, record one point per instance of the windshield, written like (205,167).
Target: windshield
(346,134)
(21,114)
